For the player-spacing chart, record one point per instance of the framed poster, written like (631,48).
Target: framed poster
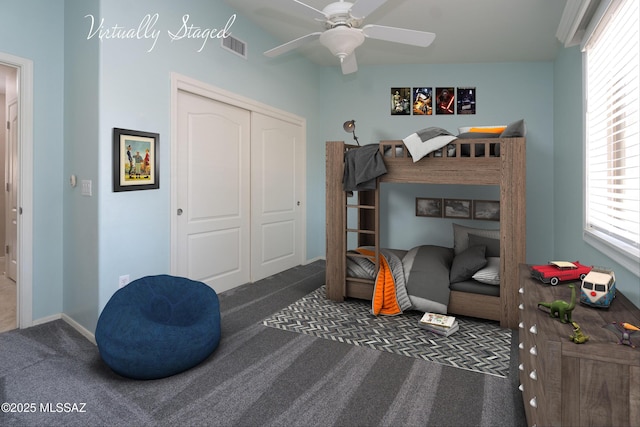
(486,209)
(456,208)
(422,101)
(466,97)
(135,160)
(429,207)
(445,100)
(400,101)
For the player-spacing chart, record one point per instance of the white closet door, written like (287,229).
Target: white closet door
(277,179)
(213,192)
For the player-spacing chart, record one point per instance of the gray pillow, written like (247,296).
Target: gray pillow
(467,263)
(461,236)
(515,129)
(492,245)
(478,135)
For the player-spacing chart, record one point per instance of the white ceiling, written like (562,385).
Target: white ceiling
(467,31)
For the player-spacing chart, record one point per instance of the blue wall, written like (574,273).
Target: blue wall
(84,88)
(134,227)
(81,130)
(34,29)
(505,92)
(569,172)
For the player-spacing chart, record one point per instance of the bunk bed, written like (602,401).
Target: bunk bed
(491,161)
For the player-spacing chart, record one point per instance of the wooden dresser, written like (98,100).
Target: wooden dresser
(566,384)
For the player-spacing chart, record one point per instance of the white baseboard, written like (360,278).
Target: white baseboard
(75,325)
(78,327)
(47,319)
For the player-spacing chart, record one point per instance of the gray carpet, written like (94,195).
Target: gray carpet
(479,345)
(258,376)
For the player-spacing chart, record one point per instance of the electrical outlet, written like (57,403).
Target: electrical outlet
(123,281)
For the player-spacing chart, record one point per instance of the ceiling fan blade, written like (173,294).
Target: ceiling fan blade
(399,35)
(284,48)
(363,8)
(309,11)
(349,64)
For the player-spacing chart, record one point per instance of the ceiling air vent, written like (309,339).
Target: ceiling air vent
(235,45)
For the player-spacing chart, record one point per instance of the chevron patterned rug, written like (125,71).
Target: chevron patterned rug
(480,346)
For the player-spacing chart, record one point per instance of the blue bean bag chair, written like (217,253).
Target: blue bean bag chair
(158,326)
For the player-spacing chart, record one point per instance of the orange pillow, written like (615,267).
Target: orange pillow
(497,129)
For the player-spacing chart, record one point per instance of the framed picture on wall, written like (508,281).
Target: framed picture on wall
(422,101)
(486,209)
(135,160)
(445,100)
(429,207)
(466,100)
(456,208)
(400,101)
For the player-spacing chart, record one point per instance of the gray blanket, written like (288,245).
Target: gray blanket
(361,168)
(427,277)
(421,275)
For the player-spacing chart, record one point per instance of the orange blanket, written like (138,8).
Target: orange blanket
(384,299)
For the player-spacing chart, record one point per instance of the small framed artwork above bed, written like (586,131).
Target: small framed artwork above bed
(457,208)
(400,101)
(445,100)
(429,207)
(466,100)
(422,101)
(486,210)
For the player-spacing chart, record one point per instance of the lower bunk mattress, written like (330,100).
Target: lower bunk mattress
(421,278)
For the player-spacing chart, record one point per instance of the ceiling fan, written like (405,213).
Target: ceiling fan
(344,31)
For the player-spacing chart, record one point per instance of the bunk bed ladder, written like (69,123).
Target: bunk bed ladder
(365,207)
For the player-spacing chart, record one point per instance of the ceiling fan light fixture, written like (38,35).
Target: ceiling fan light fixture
(342,41)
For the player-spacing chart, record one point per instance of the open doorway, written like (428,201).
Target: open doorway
(8,170)
(8,222)
(16,219)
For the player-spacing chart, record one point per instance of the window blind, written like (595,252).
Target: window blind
(612,149)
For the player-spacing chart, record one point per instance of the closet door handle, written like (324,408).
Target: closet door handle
(179,211)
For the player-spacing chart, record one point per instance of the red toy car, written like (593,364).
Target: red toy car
(557,271)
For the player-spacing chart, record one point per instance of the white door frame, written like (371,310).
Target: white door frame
(180,82)
(25,192)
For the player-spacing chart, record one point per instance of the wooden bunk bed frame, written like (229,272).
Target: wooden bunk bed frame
(508,170)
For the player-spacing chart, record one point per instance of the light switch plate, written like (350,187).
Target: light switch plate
(86,187)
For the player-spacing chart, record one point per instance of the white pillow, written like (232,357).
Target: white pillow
(419,149)
(490,273)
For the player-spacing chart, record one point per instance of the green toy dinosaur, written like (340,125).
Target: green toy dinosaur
(578,336)
(560,308)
